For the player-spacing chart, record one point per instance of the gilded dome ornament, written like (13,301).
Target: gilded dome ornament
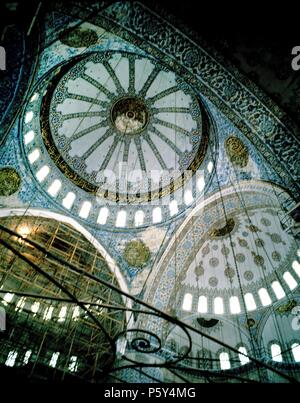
(237,152)
(79,38)
(136,253)
(10,181)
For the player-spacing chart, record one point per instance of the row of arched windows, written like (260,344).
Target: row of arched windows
(276,352)
(86,206)
(250,302)
(13,355)
(276,355)
(49,312)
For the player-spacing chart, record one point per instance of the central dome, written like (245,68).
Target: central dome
(118,115)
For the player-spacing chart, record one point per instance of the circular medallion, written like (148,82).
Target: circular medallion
(258,259)
(224,250)
(276,238)
(214,262)
(236,151)
(240,257)
(248,275)
(265,221)
(199,270)
(260,243)
(136,253)
(9,181)
(276,256)
(213,281)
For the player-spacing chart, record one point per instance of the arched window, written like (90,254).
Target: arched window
(34,97)
(210,166)
(276,353)
(139,218)
(20,305)
(54,360)
(34,156)
(243,359)
(156,215)
(54,188)
(202,304)
(68,201)
(296,351)
(278,290)
(121,219)
(187,302)
(173,207)
(264,297)
(27,357)
(85,209)
(29,136)
(8,297)
(103,215)
(249,302)
(11,358)
(201,183)
(28,117)
(289,279)
(73,365)
(188,197)
(42,173)
(224,361)
(219,305)
(62,314)
(48,313)
(76,313)
(296,267)
(234,304)
(35,307)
